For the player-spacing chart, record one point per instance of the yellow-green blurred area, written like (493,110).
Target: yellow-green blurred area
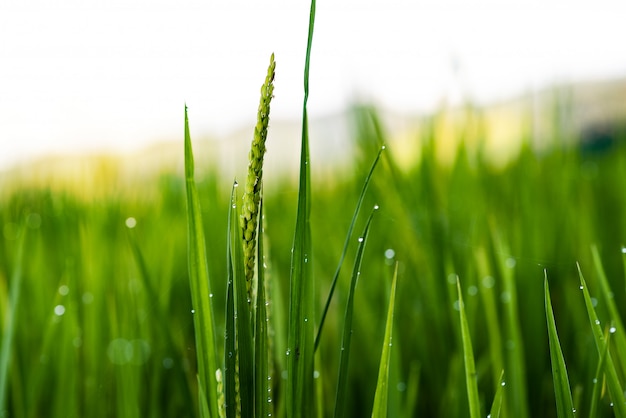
(509,189)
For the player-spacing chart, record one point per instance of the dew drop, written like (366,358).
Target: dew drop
(210,295)
(612,330)
(510,262)
(623,250)
(383,147)
(503,384)
(131,222)
(64,290)
(376,207)
(59,310)
(360,239)
(472,290)
(595,381)
(581,287)
(597,322)
(193,311)
(236,184)
(288,352)
(316,374)
(390,253)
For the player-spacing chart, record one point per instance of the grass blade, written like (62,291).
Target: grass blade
(562,391)
(300,340)
(230,343)
(345,245)
(496,406)
(618,338)
(261,355)
(9,331)
(468,356)
(243,309)
(199,283)
(613,384)
(597,380)
(340,402)
(382,387)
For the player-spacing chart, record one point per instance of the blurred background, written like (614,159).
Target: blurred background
(91,76)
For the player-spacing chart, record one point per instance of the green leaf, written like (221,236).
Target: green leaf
(300,340)
(230,341)
(200,287)
(243,311)
(10,318)
(468,356)
(342,382)
(597,380)
(562,391)
(382,387)
(496,406)
(619,337)
(613,384)
(357,210)
(261,355)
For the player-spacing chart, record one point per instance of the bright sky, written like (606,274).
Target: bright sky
(85,74)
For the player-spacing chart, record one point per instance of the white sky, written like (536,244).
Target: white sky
(86,74)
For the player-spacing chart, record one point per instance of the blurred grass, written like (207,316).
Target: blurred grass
(99,334)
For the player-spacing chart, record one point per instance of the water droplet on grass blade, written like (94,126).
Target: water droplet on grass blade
(510,262)
(612,330)
(59,310)
(64,290)
(581,287)
(131,222)
(193,311)
(623,250)
(488,282)
(360,239)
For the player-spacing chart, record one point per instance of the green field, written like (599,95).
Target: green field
(470,285)
(99,330)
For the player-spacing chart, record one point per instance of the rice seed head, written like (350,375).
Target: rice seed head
(252,191)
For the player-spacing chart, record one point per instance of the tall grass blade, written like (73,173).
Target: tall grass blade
(382,387)
(598,379)
(262,393)
(468,356)
(619,337)
(515,365)
(300,340)
(342,382)
(496,406)
(230,342)
(562,391)
(243,319)
(9,331)
(199,283)
(613,384)
(345,245)
(230,357)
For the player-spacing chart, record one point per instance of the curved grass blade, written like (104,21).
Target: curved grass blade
(562,391)
(243,324)
(261,355)
(382,387)
(300,340)
(496,406)
(9,331)
(613,384)
(342,382)
(468,356)
(597,380)
(200,287)
(345,245)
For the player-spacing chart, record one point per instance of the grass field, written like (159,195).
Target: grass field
(96,329)
(181,295)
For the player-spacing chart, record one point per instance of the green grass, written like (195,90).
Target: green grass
(136,299)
